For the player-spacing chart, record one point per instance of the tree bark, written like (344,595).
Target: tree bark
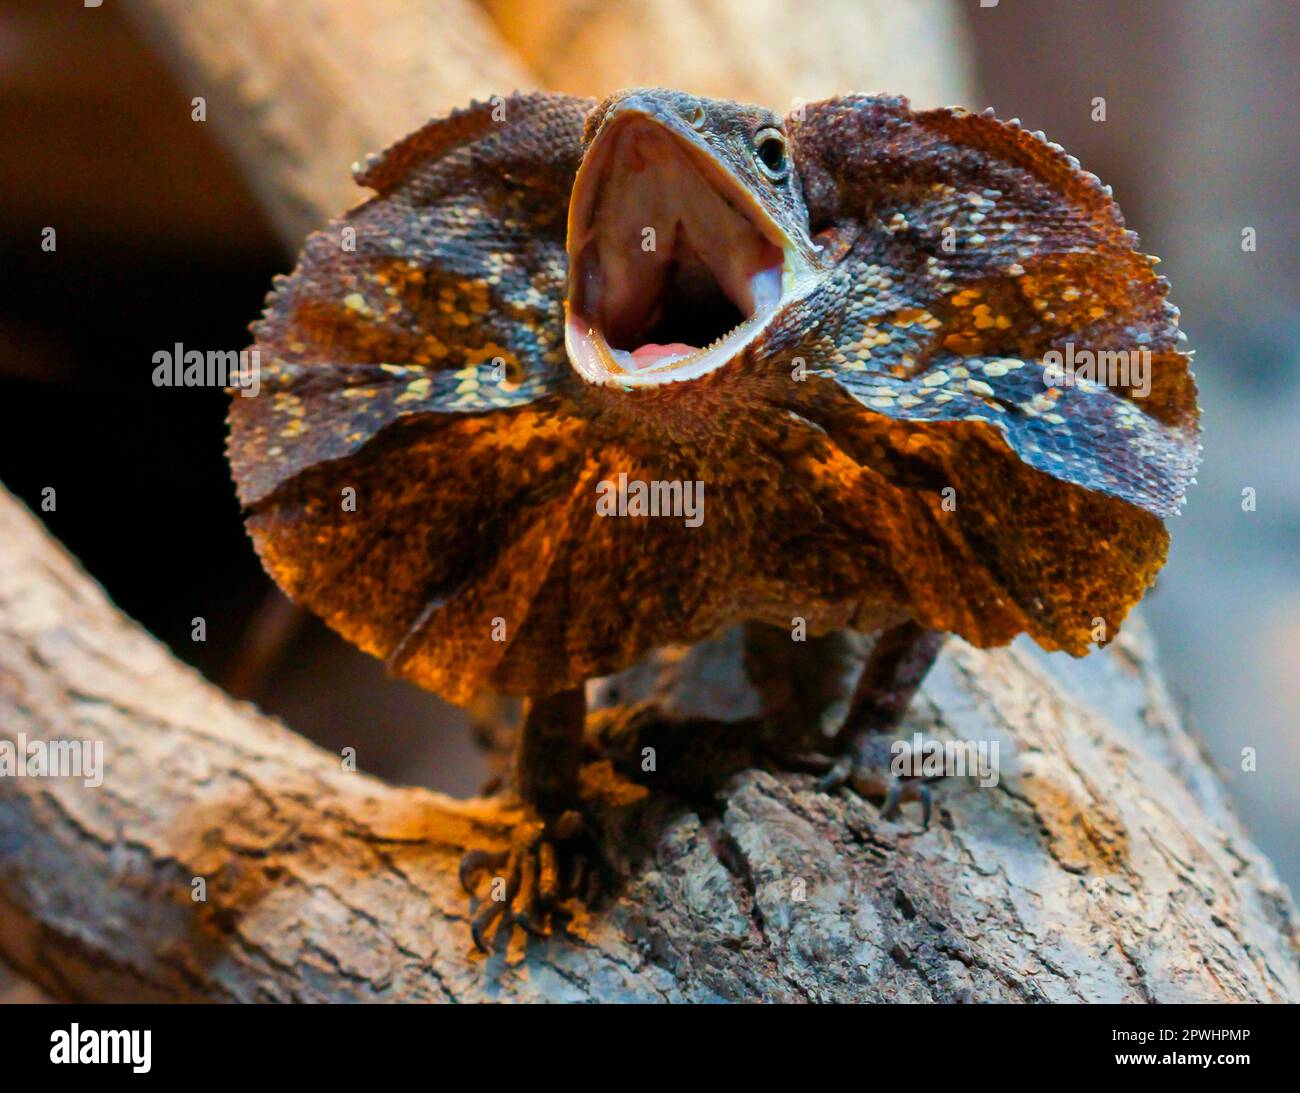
(1105,866)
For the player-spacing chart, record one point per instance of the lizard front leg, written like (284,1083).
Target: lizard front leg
(800,691)
(528,878)
(889,681)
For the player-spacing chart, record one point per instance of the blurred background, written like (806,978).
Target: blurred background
(167,233)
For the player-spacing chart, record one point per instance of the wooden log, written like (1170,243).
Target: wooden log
(1106,865)
(300,91)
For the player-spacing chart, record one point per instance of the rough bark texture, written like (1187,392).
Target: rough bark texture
(1105,866)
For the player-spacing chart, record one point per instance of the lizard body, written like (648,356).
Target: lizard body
(521,315)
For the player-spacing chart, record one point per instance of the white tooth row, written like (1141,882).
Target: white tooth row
(765,287)
(593,357)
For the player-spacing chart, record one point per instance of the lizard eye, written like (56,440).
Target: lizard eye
(770,144)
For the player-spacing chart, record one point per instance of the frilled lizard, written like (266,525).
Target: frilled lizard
(837,324)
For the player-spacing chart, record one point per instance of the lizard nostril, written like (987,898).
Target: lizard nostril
(695,116)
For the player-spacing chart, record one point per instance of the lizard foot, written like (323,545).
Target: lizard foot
(544,864)
(865,754)
(865,766)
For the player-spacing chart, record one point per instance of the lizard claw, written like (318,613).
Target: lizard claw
(901,790)
(475,863)
(841,770)
(530,879)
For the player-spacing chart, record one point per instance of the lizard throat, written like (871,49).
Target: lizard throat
(673,268)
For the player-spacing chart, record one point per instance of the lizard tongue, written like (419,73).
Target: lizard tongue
(650,353)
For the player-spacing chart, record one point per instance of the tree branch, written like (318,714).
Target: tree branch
(1106,865)
(300,91)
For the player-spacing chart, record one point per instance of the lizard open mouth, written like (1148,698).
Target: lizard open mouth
(673,266)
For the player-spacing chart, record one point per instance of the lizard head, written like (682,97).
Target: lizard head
(687,237)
